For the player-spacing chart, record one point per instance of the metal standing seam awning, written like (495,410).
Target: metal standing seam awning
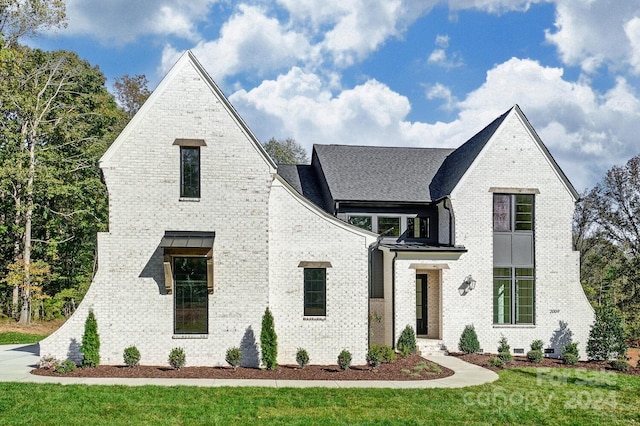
(187,243)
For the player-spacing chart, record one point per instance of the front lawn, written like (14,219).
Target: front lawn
(521,396)
(16,338)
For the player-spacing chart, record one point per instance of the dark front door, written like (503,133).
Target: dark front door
(421,304)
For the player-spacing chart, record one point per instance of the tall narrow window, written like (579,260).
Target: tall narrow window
(190,295)
(418,227)
(190,171)
(315,289)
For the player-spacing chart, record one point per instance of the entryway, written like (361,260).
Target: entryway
(422,305)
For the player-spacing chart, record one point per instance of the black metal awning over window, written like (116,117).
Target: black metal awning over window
(188,239)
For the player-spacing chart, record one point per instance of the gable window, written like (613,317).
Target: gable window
(389,226)
(418,227)
(315,291)
(513,296)
(190,171)
(363,222)
(512,212)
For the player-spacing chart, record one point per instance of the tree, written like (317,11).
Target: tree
(131,92)
(57,119)
(19,18)
(269,341)
(286,151)
(607,337)
(90,346)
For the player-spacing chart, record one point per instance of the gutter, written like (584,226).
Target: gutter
(393,301)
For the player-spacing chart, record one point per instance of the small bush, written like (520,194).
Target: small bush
(537,345)
(269,341)
(48,362)
(131,356)
(302,357)
(619,364)
(494,361)
(344,359)
(407,341)
(177,358)
(388,354)
(570,354)
(374,356)
(66,366)
(233,357)
(90,346)
(469,340)
(570,359)
(535,355)
(504,350)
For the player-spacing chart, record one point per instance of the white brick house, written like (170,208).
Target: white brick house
(205,232)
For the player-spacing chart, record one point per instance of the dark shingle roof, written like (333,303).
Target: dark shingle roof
(303,179)
(456,164)
(369,173)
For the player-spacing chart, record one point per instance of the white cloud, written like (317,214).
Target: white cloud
(249,41)
(122,21)
(440,91)
(439,55)
(493,6)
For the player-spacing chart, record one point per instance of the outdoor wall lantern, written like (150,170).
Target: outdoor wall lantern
(467,285)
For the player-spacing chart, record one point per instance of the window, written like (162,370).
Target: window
(418,227)
(190,171)
(315,286)
(389,226)
(190,295)
(520,283)
(363,222)
(512,212)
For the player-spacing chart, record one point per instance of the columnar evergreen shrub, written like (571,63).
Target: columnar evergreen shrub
(570,354)
(344,359)
(177,358)
(233,357)
(131,356)
(469,343)
(269,341)
(302,357)
(407,341)
(607,337)
(90,346)
(504,350)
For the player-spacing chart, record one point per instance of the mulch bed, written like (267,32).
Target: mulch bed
(518,361)
(387,372)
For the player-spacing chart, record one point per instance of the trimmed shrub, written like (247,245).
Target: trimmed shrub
(619,364)
(469,340)
(374,356)
(537,345)
(344,359)
(131,356)
(407,341)
(388,354)
(177,358)
(494,361)
(570,354)
(570,359)
(90,346)
(269,341)
(302,357)
(535,355)
(607,337)
(504,350)
(233,357)
(66,366)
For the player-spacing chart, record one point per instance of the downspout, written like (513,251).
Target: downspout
(393,300)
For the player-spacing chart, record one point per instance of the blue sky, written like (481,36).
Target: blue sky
(401,73)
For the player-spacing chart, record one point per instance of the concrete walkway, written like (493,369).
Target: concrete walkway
(16,362)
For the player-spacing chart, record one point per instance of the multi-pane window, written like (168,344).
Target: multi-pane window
(363,222)
(389,226)
(512,212)
(190,171)
(513,296)
(315,290)
(190,295)
(418,227)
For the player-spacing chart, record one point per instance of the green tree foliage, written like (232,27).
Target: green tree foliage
(269,341)
(57,120)
(19,18)
(469,343)
(286,151)
(607,337)
(131,92)
(407,341)
(90,346)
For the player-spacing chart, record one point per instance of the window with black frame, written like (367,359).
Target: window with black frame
(190,295)
(315,288)
(190,171)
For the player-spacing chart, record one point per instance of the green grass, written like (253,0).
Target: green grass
(16,338)
(521,396)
